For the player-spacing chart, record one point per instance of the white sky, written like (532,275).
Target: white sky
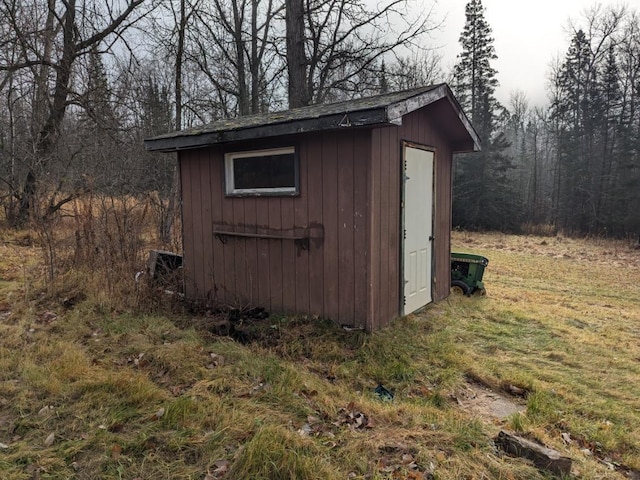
(528,35)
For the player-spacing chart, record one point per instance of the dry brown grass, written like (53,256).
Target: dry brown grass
(564,320)
(136,395)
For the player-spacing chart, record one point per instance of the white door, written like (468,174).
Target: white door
(418,227)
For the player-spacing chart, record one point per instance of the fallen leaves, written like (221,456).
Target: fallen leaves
(49,440)
(158,414)
(116,451)
(216,360)
(259,387)
(220,470)
(353,418)
(404,467)
(48,317)
(46,410)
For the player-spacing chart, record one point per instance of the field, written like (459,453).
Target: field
(94,385)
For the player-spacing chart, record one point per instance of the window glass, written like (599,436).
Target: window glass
(272,171)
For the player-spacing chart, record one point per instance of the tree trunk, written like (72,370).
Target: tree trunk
(179,60)
(47,136)
(299,95)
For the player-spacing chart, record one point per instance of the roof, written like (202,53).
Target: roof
(385,109)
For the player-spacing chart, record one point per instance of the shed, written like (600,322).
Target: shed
(339,210)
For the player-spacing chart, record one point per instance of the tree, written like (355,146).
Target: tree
(48,52)
(233,45)
(298,88)
(483,194)
(337,52)
(420,69)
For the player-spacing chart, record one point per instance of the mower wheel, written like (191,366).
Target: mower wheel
(459,288)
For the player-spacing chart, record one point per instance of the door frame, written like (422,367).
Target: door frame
(404,145)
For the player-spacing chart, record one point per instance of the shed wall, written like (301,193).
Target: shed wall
(419,127)
(329,278)
(350,191)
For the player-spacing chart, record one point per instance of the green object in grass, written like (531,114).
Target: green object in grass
(383,393)
(466,273)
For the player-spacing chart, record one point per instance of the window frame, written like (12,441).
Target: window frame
(232,191)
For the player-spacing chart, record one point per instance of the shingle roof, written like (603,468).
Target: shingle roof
(387,108)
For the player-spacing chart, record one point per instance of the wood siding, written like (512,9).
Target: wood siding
(350,192)
(385,295)
(327,279)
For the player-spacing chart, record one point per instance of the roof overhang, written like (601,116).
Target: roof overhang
(381,110)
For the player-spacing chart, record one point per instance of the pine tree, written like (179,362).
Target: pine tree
(474,78)
(580,110)
(483,194)
(612,98)
(96,101)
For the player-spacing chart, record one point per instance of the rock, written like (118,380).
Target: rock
(542,457)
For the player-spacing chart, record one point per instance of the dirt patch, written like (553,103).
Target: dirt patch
(488,404)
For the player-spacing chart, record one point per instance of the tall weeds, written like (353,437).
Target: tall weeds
(94,248)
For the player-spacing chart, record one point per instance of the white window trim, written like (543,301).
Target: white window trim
(230,180)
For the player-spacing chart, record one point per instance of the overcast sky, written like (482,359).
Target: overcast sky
(528,35)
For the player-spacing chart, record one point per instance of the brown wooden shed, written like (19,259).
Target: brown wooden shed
(340,210)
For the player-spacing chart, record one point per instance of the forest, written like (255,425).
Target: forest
(83,82)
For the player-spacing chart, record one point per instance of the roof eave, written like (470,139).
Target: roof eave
(397,110)
(340,121)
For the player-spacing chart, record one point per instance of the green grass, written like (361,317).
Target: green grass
(137,395)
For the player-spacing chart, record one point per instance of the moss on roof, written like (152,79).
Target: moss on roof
(297,114)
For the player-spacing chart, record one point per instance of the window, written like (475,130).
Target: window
(262,172)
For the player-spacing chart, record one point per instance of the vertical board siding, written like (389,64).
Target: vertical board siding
(240,254)
(289,248)
(315,202)
(205,219)
(443,221)
(387,157)
(226,285)
(374,194)
(394,225)
(217,260)
(385,296)
(362,155)
(330,221)
(263,280)
(329,278)
(251,251)
(346,211)
(198,240)
(275,256)
(301,219)
(190,251)
(350,193)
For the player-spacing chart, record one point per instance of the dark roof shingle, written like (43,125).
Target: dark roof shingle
(380,109)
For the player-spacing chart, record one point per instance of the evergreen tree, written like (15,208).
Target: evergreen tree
(567,110)
(96,101)
(612,98)
(483,195)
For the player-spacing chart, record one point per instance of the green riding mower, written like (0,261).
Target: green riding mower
(466,274)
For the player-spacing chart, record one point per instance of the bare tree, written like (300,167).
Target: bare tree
(233,46)
(345,42)
(416,70)
(50,38)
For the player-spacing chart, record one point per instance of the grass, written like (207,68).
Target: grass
(139,396)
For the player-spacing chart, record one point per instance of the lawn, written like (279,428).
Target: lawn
(93,385)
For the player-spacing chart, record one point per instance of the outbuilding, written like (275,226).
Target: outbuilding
(340,210)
